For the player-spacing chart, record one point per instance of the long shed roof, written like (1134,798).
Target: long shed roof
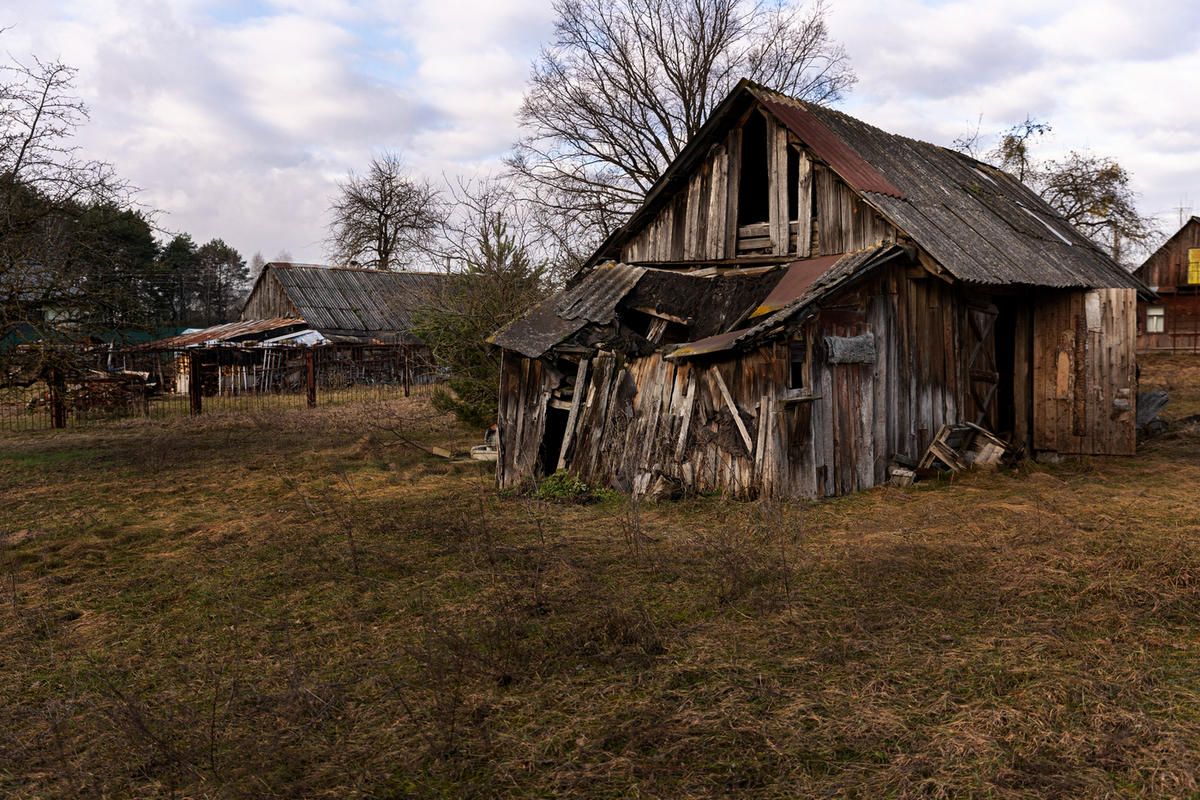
(349,301)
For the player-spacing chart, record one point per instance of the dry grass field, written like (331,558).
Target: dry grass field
(306,604)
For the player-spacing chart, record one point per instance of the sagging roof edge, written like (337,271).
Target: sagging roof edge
(802,307)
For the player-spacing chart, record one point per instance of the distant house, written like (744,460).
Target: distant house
(1172,320)
(801,303)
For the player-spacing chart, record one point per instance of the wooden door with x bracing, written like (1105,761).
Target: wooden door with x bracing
(983,378)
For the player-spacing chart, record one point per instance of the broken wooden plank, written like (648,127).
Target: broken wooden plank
(576,401)
(688,403)
(737,418)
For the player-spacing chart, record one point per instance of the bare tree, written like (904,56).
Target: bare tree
(46,189)
(1094,195)
(626,83)
(380,216)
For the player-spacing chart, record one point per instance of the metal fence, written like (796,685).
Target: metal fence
(155,384)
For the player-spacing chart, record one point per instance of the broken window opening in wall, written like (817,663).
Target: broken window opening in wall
(753,197)
(798,383)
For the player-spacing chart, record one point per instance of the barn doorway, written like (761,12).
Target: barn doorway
(1005,410)
(552,439)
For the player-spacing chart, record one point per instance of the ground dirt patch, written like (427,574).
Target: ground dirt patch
(310,605)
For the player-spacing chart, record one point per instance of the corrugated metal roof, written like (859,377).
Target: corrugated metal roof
(354,302)
(596,296)
(593,299)
(795,282)
(230,333)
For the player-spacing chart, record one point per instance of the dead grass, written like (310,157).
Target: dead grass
(1179,375)
(296,605)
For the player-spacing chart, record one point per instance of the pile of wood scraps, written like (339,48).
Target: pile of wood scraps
(958,447)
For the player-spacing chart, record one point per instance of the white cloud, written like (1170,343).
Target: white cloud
(1114,77)
(237,117)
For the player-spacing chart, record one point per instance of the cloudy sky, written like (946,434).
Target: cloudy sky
(236,118)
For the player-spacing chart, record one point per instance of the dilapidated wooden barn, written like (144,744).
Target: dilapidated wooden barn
(1171,321)
(802,302)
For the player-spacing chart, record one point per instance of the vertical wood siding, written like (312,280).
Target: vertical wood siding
(1084,372)
(648,416)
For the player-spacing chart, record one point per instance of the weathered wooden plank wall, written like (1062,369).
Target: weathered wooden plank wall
(1084,372)
(268,301)
(699,222)
(1072,393)
(525,387)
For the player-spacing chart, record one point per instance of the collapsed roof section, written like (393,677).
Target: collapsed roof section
(683,314)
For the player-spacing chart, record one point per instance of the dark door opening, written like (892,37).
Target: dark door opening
(1006,365)
(552,439)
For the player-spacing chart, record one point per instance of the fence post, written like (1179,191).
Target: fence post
(311,370)
(406,370)
(58,408)
(194,393)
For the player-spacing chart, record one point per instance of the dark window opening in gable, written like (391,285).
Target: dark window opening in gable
(753,184)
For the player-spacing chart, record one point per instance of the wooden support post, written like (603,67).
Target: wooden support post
(573,416)
(58,406)
(406,370)
(310,369)
(194,394)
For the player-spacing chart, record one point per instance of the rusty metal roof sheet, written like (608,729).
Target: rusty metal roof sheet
(795,282)
(354,302)
(230,333)
(844,269)
(836,152)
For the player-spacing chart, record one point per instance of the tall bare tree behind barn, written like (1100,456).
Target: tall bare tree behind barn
(626,84)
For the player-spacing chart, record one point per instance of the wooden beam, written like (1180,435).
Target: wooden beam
(576,401)
(688,403)
(737,418)
(804,206)
(777,180)
(654,312)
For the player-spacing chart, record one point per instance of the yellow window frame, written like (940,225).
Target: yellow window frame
(1194,265)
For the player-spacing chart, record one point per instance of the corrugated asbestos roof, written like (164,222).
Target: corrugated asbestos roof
(593,299)
(354,302)
(980,223)
(230,333)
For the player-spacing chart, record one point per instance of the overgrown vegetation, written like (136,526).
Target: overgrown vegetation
(301,604)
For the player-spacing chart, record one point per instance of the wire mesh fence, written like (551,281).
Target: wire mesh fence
(155,384)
